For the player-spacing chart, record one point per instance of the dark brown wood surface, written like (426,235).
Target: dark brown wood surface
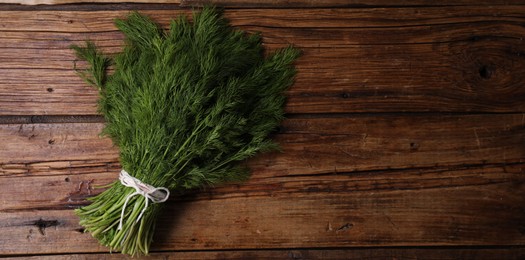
(453,59)
(404,136)
(321,254)
(276,3)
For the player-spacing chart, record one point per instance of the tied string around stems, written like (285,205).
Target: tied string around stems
(156,195)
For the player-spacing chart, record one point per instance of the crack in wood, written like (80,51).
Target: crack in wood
(345,227)
(83,191)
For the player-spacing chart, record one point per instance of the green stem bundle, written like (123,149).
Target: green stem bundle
(184,106)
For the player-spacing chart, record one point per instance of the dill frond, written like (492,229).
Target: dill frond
(184,106)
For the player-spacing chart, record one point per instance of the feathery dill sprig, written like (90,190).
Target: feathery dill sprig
(184,106)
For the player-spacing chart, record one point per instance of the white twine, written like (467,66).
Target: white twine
(147,191)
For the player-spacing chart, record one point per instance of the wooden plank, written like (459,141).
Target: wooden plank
(58,188)
(102,20)
(310,145)
(274,3)
(426,204)
(31,143)
(475,206)
(60,2)
(452,59)
(350,254)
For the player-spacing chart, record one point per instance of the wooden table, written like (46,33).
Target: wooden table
(404,135)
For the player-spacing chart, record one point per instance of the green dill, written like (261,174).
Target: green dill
(184,106)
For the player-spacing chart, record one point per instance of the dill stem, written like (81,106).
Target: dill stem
(184,106)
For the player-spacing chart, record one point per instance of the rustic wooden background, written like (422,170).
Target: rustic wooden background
(404,139)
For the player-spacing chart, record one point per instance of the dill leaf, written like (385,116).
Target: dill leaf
(184,106)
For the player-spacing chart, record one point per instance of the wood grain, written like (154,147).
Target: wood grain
(67,188)
(340,166)
(404,136)
(60,2)
(476,206)
(310,145)
(52,142)
(272,3)
(452,59)
(350,254)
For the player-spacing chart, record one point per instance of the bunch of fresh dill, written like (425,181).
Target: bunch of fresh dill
(184,106)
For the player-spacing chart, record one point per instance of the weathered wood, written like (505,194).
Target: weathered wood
(452,59)
(332,18)
(33,143)
(478,206)
(59,2)
(352,181)
(67,188)
(481,205)
(349,254)
(310,145)
(275,3)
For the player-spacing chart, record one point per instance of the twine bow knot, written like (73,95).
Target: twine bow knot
(155,194)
